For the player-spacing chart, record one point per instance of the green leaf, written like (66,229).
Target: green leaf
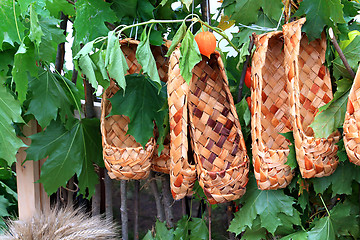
(341,153)
(145,10)
(141,102)
(90,20)
(24,61)
(244,114)
(343,87)
(182,228)
(4,203)
(67,152)
(256,232)
(179,35)
(146,58)
(148,236)
(340,181)
(47,95)
(198,228)
(86,65)
(35,29)
(246,12)
(162,233)
(187,3)
(57,6)
(268,205)
(93,153)
(53,36)
(190,56)
(300,235)
(323,229)
(115,61)
(319,14)
(8,30)
(291,158)
(125,8)
(352,55)
(329,120)
(101,74)
(10,111)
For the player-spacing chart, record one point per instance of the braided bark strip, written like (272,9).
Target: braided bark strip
(125,158)
(182,173)
(309,88)
(352,122)
(270,113)
(162,163)
(220,154)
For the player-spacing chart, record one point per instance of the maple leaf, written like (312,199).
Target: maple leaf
(10,111)
(319,14)
(69,152)
(142,103)
(268,205)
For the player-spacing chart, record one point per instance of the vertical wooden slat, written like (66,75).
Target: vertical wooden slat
(31,195)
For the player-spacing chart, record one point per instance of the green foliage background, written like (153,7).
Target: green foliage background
(324,208)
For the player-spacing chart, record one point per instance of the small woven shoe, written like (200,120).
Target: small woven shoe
(125,158)
(182,172)
(270,113)
(309,88)
(220,154)
(352,122)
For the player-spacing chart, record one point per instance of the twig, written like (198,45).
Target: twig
(60,55)
(155,191)
(136,209)
(108,197)
(167,199)
(243,73)
(209,211)
(123,210)
(229,214)
(341,54)
(71,2)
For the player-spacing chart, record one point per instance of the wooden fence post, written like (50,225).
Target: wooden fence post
(32,197)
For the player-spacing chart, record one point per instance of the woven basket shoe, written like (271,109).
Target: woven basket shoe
(309,87)
(352,122)
(125,158)
(182,172)
(162,163)
(270,113)
(220,154)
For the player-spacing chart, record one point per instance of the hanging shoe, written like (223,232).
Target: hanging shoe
(270,113)
(352,122)
(309,88)
(220,154)
(182,172)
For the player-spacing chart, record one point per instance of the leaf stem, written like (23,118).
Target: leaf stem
(322,200)
(16,24)
(67,86)
(221,32)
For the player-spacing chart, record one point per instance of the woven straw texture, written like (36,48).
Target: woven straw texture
(222,164)
(182,172)
(270,113)
(352,122)
(162,163)
(125,158)
(309,88)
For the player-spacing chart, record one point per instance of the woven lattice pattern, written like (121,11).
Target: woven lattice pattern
(352,122)
(270,113)
(309,88)
(125,158)
(161,163)
(220,152)
(182,173)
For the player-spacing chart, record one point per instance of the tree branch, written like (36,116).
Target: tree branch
(123,210)
(167,199)
(155,191)
(341,54)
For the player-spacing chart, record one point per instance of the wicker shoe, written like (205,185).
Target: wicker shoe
(220,154)
(309,88)
(125,158)
(182,173)
(270,113)
(352,122)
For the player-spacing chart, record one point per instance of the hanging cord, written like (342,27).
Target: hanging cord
(136,29)
(192,12)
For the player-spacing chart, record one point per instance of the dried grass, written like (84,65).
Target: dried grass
(60,224)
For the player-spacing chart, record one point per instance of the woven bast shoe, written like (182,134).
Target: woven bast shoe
(309,87)
(182,172)
(161,163)
(270,113)
(352,122)
(125,158)
(220,154)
